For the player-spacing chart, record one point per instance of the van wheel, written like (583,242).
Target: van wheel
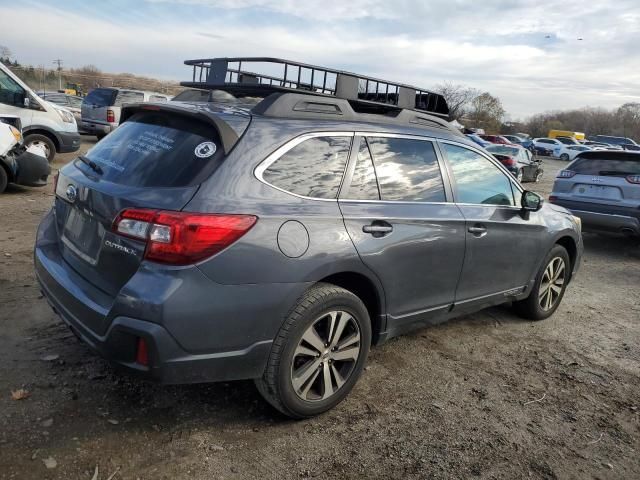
(43,142)
(4,180)
(549,288)
(318,354)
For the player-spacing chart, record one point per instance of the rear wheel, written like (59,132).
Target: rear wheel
(43,142)
(4,180)
(549,287)
(520,175)
(319,353)
(564,157)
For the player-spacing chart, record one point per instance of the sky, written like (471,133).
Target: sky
(528,53)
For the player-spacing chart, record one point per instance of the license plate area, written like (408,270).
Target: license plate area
(598,191)
(82,234)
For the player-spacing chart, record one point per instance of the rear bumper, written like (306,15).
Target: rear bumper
(196,330)
(68,142)
(605,218)
(96,128)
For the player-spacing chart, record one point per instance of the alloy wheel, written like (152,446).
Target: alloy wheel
(43,145)
(520,176)
(552,283)
(326,356)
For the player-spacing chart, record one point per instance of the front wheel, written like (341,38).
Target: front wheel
(520,175)
(45,143)
(549,288)
(564,157)
(319,353)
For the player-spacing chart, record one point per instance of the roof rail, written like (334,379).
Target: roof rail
(261,76)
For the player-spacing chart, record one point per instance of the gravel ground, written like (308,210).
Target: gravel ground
(484,396)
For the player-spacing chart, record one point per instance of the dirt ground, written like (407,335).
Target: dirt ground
(484,396)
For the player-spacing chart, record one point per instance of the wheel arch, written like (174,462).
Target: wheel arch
(571,247)
(40,130)
(367,291)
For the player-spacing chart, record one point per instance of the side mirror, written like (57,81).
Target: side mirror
(27,101)
(531,201)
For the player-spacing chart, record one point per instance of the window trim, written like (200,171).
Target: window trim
(514,185)
(259,170)
(444,173)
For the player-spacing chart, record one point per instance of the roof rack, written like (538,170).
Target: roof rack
(261,76)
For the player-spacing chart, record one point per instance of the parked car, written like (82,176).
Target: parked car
(477,139)
(566,134)
(549,143)
(523,142)
(631,147)
(44,124)
(569,152)
(102,106)
(519,161)
(497,139)
(20,164)
(603,189)
(70,102)
(611,140)
(199,242)
(568,140)
(601,146)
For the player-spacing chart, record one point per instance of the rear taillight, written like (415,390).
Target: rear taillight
(510,161)
(182,238)
(633,179)
(142,352)
(566,174)
(552,198)
(111,117)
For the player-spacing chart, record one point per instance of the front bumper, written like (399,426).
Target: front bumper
(33,170)
(94,128)
(603,218)
(68,142)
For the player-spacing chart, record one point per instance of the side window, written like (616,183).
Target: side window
(364,185)
(407,170)
(10,92)
(314,168)
(477,179)
(125,96)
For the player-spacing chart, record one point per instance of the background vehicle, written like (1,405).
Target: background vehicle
(276,241)
(477,139)
(566,133)
(568,141)
(603,189)
(569,152)
(19,164)
(497,139)
(102,106)
(44,124)
(522,141)
(549,143)
(70,102)
(519,161)
(611,140)
(631,147)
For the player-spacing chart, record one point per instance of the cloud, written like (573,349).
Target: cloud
(499,46)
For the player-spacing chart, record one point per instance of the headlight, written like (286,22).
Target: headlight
(578,221)
(65,115)
(16,134)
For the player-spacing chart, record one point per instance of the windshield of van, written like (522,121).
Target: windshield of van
(156,149)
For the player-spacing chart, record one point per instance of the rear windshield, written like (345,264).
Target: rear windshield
(503,150)
(125,96)
(192,96)
(594,166)
(100,97)
(155,149)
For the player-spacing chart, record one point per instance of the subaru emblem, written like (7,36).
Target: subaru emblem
(72,193)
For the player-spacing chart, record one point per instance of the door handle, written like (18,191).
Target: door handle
(478,230)
(378,229)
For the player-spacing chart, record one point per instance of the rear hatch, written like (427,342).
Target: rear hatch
(94,106)
(157,160)
(605,178)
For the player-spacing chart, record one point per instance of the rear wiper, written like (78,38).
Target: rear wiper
(93,165)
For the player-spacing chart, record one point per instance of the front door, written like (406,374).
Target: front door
(403,226)
(12,99)
(502,243)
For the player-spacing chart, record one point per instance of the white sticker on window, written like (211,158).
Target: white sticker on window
(205,149)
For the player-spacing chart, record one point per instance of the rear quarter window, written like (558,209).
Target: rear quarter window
(101,97)
(125,96)
(158,150)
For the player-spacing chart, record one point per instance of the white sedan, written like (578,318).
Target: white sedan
(569,152)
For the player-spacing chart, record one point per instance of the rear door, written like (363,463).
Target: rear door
(501,243)
(94,106)
(403,225)
(153,160)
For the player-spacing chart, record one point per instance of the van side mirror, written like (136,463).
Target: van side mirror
(26,101)
(531,201)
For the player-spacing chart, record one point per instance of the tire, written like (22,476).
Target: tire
(4,179)
(43,141)
(537,305)
(538,176)
(564,157)
(295,376)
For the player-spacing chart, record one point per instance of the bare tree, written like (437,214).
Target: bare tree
(487,112)
(458,98)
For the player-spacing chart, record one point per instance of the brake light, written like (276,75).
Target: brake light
(509,161)
(142,352)
(633,179)
(552,198)
(111,117)
(566,174)
(182,238)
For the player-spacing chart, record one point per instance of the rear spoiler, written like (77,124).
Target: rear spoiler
(228,136)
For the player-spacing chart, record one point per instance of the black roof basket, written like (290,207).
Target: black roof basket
(262,76)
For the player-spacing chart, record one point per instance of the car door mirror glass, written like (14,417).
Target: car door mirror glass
(26,101)
(531,201)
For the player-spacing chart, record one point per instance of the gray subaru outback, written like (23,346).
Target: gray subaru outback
(277,232)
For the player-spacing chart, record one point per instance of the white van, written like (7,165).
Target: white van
(44,124)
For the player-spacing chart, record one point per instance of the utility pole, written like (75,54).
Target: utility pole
(58,62)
